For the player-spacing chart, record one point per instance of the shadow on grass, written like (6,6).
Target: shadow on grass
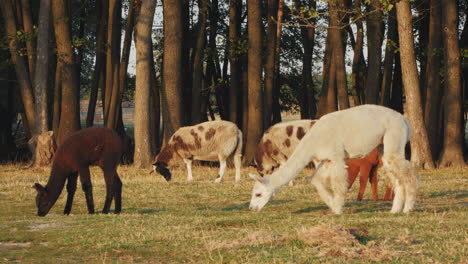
(246,205)
(144,211)
(311,209)
(458,194)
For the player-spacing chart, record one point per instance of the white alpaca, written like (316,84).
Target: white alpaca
(350,133)
(209,141)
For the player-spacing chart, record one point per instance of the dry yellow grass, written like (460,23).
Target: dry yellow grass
(204,222)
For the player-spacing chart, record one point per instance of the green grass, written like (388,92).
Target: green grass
(204,222)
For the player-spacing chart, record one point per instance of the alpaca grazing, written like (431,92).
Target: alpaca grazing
(280,140)
(90,146)
(209,141)
(351,133)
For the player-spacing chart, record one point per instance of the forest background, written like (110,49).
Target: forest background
(243,61)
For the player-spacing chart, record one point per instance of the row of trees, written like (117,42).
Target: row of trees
(244,60)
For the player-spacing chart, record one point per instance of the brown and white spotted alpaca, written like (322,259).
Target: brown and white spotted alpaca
(209,141)
(278,143)
(280,140)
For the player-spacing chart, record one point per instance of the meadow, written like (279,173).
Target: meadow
(204,222)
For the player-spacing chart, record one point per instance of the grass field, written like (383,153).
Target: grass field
(204,222)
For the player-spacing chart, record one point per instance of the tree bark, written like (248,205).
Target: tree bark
(306,92)
(234,60)
(197,69)
(390,47)
(21,68)
(270,73)
(276,92)
(375,30)
(357,75)
(452,154)
(420,152)
(28,26)
(338,56)
(327,99)
(255,99)
(111,104)
(172,63)
(143,156)
(433,83)
(101,26)
(45,147)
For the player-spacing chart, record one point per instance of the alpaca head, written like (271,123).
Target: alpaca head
(162,169)
(261,193)
(42,201)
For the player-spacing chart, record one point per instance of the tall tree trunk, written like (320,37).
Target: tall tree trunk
(390,47)
(57,99)
(143,155)
(422,26)
(21,68)
(255,99)
(338,56)
(234,59)
(375,30)
(187,44)
(197,69)
(172,63)
(452,154)
(28,25)
(420,151)
(396,101)
(101,28)
(40,89)
(433,82)
(327,99)
(357,75)
(306,92)
(270,73)
(276,91)
(111,104)
(70,106)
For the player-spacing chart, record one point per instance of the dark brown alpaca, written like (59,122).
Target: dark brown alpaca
(91,146)
(367,167)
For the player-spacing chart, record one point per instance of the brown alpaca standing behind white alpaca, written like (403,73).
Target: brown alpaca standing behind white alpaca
(209,141)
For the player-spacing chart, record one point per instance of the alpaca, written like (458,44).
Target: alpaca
(209,141)
(350,133)
(367,168)
(280,140)
(91,146)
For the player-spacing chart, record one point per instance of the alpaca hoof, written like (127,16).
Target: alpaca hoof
(218,180)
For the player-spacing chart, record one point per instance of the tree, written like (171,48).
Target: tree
(432,77)
(198,54)
(234,59)
(172,71)
(69,117)
(452,154)
(375,29)
(143,154)
(21,69)
(270,56)
(255,99)
(45,147)
(420,152)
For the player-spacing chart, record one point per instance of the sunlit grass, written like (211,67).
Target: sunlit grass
(204,222)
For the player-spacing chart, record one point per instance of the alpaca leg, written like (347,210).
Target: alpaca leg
(339,185)
(109,177)
(71,188)
(85,179)
(237,165)
(399,199)
(410,186)
(318,180)
(374,183)
(363,178)
(353,171)
(117,194)
(222,169)
(188,163)
(388,194)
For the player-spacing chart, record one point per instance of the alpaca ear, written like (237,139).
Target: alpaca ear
(39,187)
(261,180)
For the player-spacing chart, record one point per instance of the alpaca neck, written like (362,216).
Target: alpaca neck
(54,187)
(302,155)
